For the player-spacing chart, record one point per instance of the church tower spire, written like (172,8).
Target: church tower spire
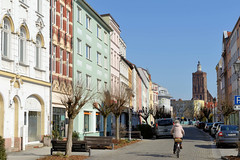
(199,68)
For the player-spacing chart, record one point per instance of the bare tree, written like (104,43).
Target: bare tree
(226,109)
(105,107)
(74,97)
(121,101)
(189,111)
(145,113)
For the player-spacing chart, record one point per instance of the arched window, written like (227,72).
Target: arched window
(38,52)
(5,38)
(22,45)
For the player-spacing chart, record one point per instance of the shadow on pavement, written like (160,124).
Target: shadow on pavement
(204,146)
(150,155)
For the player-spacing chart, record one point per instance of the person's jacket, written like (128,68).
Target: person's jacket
(177,131)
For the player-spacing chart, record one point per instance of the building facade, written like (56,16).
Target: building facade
(24,72)
(61,56)
(228,84)
(91,61)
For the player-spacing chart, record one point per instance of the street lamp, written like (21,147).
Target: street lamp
(236,67)
(214,101)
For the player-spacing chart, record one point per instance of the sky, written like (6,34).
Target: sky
(169,37)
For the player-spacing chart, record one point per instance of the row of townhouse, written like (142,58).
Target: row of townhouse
(47,43)
(227,78)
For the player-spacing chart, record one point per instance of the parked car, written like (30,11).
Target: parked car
(227,134)
(207,127)
(163,127)
(214,127)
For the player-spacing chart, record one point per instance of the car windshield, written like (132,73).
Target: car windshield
(165,122)
(229,128)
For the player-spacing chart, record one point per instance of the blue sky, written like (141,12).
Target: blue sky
(169,37)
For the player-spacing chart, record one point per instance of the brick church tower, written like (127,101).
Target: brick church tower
(199,82)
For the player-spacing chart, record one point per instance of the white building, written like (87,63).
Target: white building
(164,99)
(24,72)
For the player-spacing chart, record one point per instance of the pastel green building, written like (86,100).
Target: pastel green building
(91,62)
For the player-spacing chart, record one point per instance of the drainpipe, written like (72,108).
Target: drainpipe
(50,50)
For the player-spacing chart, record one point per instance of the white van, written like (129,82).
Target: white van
(163,127)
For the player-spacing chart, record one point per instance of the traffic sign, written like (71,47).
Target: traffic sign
(237,100)
(236,107)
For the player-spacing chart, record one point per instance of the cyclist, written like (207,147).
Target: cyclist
(177,132)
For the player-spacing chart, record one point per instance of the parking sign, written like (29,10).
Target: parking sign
(237,100)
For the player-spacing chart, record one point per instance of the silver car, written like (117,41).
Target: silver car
(163,127)
(227,134)
(214,128)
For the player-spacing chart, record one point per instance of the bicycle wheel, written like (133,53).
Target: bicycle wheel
(178,151)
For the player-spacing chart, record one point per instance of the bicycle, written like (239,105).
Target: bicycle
(177,145)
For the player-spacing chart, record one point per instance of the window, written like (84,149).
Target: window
(79,15)
(79,46)
(88,52)
(79,77)
(105,37)
(39,6)
(38,52)
(88,81)
(54,59)
(61,17)
(5,38)
(99,32)
(67,61)
(86,121)
(99,58)
(54,12)
(105,83)
(67,21)
(61,62)
(105,63)
(97,121)
(22,45)
(88,22)
(98,85)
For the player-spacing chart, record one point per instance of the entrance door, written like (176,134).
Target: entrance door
(34,126)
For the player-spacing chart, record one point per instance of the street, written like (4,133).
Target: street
(196,145)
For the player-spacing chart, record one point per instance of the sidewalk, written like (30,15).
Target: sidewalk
(35,153)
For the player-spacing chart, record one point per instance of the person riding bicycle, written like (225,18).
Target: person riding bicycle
(177,132)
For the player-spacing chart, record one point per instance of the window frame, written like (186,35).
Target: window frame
(22,45)
(67,64)
(39,6)
(88,82)
(88,52)
(79,77)
(67,27)
(99,85)
(61,61)
(61,16)
(99,62)
(54,11)
(54,58)
(5,33)
(38,55)
(99,32)
(88,22)
(79,46)
(79,15)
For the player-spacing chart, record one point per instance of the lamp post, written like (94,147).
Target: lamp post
(214,101)
(236,67)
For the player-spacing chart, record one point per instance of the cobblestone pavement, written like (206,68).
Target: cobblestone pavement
(197,145)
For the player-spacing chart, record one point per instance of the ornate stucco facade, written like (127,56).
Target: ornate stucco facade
(24,72)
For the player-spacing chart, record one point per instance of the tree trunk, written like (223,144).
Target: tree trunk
(105,126)
(117,128)
(69,138)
